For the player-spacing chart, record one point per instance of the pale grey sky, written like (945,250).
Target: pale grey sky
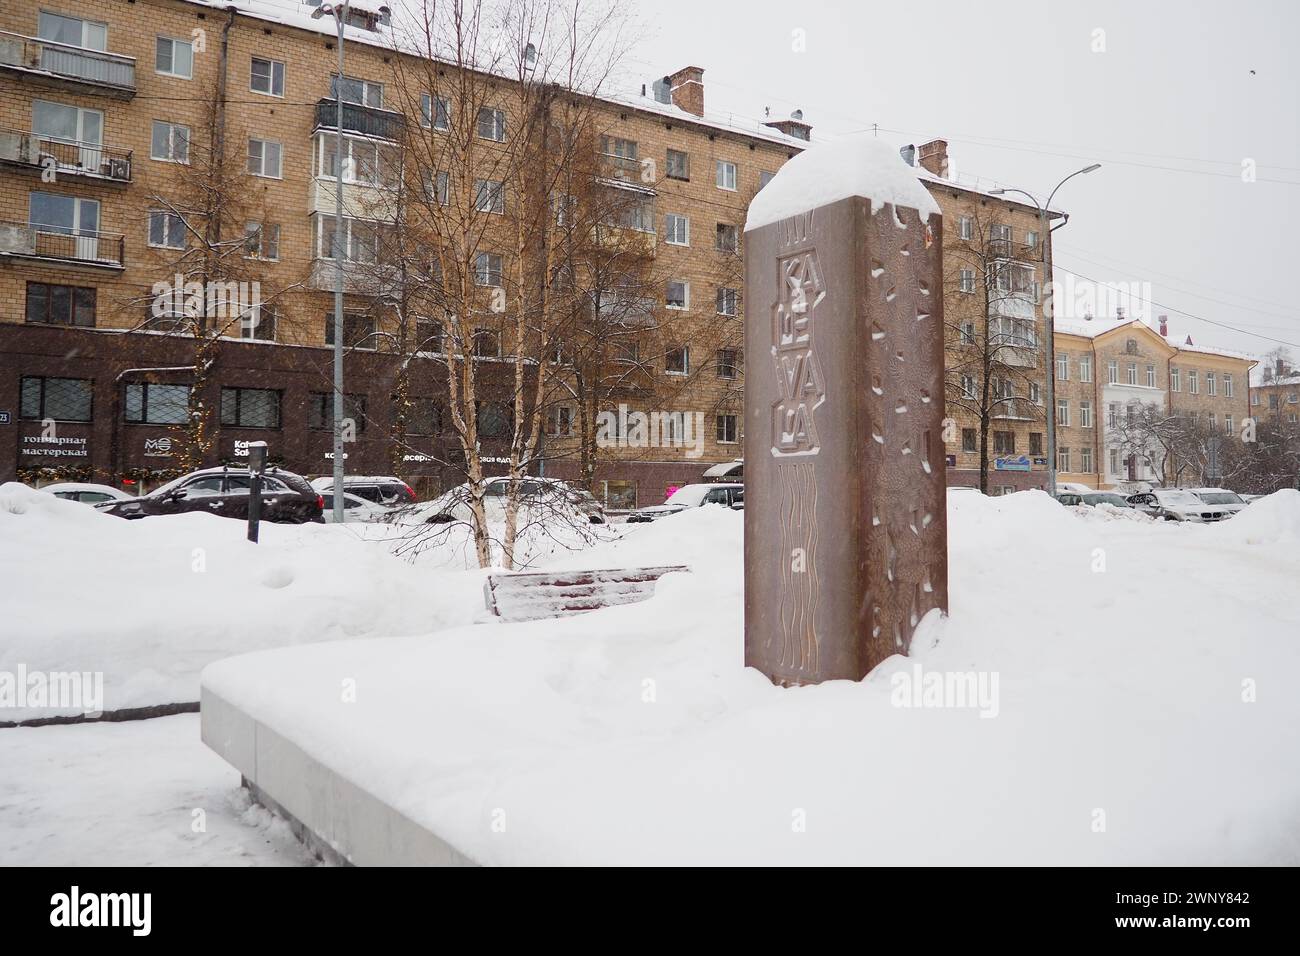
(1171,109)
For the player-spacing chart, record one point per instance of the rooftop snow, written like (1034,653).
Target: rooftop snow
(831,171)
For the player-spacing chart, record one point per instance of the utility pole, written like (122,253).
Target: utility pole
(1049,319)
(340,14)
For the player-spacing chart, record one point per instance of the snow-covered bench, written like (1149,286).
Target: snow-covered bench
(532,596)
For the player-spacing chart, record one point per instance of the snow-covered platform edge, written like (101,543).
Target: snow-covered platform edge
(331,814)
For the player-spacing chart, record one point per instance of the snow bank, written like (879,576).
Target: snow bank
(1273,519)
(1144,712)
(149,602)
(828,172)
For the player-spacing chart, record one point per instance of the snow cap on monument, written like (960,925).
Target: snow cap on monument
(831,171)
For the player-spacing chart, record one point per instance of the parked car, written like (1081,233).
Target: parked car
(355,508)
(738,501)
(89,494)
(1069,498)
(1092,499)
(691,496)
(1229,501)
(1073,487)
(382,490)
(286,498)
(1176,504)
(453,505)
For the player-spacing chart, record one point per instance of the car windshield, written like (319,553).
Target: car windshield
(688,496)
(1220,498)
(1177,497)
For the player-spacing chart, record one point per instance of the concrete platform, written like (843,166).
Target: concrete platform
(338,820)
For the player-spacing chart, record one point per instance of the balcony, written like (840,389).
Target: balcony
(36,152)
(633,312)
(1019,409)
(359,278)
(360,120)
(622,169)
(63,66)
(50,244)
(1008,249)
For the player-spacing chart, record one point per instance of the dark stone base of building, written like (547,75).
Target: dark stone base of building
(66,413)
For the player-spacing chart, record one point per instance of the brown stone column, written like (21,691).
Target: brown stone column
(845,530)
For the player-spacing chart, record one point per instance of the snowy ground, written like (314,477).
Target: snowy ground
(145,793)
(1124,651)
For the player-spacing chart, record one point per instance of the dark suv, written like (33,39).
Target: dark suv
(286,497)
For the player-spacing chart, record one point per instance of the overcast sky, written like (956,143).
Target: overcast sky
(1181,95)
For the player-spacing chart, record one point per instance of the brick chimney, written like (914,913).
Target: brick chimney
(794,126)
(1164,326)
(933,156)
(687,86)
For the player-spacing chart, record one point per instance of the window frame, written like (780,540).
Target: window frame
(271,76)
(720,177)
(44,411)
(74,307)
(159,39)
(238,391)
(262,161)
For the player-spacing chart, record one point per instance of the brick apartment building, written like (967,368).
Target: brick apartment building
(106,104)
(1275,397)
(1106,367)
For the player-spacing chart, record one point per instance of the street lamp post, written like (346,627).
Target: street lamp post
(339,11)
(1048,311)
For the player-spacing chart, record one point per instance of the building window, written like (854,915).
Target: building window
(678,294)
(494,419)
(250,407)
(423,416)
(267,76)
(1193,385)
(1004,443)
(967,387)
(1151,376)
(969,439)
(264,158)
(1227,424)
(360,92)
(90,34)
(489,196)
(363,162)
(487,343)
(965,228)
(149,404)
(60,399)
(620,494)
(174,58)
(1112,372)
(435,112)
(726,175)
(1132,373)
(764,178)
(1227,385)
(1085,416)
(262,241)
(1085,459)
(1031,240)
(492,124)
(1085,368)
(166,229)
(320,410)
(967,281)
(1063,459)
(559,421)
(1063,367)
(1175,379)
(1035,393)
(728,363)
(677,361)
(360,239)
(49,304)
(170,142)
(487,269)
(727,433)
(437,186)
(1211,385)
(677,230)
(679,165)
(968,333)
(358,330)
(260,324)
(727,238)
(1254,398)
(1112,416)
(1063,412)
(1036,443)
(728,301)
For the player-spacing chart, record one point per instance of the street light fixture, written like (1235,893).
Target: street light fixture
(1048,311)
(339,11)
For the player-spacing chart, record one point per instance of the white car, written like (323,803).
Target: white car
(1229,501)
(1073,488)
(86,493)
(691,496)
(1177,504)
(355,508)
